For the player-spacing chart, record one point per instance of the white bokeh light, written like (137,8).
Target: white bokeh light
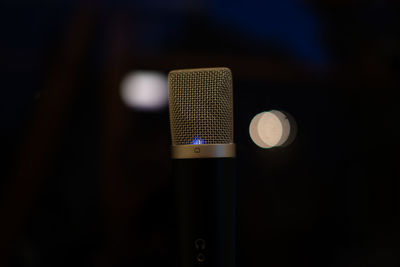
(145,90)
(270,129)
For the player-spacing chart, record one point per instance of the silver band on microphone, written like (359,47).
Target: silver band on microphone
(203,151)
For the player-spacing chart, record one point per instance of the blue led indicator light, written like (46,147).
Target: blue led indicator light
(197,141)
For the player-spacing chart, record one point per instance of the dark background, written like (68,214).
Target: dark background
(86,180)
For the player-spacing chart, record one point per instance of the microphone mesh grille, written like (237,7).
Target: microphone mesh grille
(201,106)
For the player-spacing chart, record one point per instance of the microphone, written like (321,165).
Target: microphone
(203,152)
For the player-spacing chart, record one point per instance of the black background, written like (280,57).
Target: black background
(86,180)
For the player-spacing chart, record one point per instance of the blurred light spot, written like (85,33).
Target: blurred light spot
(145,90)
(272,129)
(197,141)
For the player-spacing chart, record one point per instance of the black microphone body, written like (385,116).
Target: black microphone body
(205,190)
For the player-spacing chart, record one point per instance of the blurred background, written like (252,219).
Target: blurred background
(85,176)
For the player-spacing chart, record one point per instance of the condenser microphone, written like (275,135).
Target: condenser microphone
(203,152)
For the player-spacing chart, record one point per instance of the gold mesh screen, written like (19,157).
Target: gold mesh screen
(201,106)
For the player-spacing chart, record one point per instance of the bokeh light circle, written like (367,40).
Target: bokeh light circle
(271,129)
(145,90)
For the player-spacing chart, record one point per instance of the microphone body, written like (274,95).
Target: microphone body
(205,190)
(201,116)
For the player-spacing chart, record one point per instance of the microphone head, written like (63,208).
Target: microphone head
(201,106)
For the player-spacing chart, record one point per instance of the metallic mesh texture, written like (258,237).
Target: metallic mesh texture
(201,106)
